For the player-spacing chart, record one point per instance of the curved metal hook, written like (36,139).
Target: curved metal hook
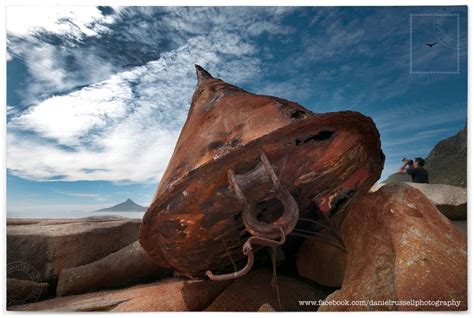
(287,220)
(264,234)
(248,251)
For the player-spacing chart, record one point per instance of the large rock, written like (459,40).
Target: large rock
(447,162)
(169,295)
(21,291)
(400,248)
(397,177)
(254,291)
(128,265)
(450,200)
(376,186)
(50,246)
(266,307)
(322,263)
(461,226)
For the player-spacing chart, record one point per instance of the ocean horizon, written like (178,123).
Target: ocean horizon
(70,214)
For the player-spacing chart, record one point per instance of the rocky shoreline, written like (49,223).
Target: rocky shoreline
(398,244)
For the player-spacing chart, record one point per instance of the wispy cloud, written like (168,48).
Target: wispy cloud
(123,128)
(68,47)
(94,196)
(106,99)
(404,119)
(416,137)
(71,21)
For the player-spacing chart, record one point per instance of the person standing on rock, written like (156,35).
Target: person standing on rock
(415,169)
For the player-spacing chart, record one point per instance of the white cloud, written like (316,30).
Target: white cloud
(58,46)
(405,119)
(11,110)
(123,128)
(37,160)
(75,21)
(47,65)
(95,196)
(417,137)
(66,118)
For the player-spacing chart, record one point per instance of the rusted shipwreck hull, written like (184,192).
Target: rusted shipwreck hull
(245,168)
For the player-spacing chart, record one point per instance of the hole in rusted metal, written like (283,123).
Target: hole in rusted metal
(244,166)
(322,135)
(238,217)
(298,114)
(340,200)
(215,144)
(269,210)
(235,142)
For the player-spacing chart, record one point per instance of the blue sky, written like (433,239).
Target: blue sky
(96,96)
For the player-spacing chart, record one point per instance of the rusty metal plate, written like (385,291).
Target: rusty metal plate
(195,222)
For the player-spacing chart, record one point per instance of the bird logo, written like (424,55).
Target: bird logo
(431,44)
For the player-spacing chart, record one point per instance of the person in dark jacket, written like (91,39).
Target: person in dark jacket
(415,169)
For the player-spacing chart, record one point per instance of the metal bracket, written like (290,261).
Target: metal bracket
(265,234)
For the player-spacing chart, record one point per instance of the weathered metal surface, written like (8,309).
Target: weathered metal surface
(263,233)
(195,221)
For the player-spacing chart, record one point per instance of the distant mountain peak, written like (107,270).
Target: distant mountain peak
(127,206)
